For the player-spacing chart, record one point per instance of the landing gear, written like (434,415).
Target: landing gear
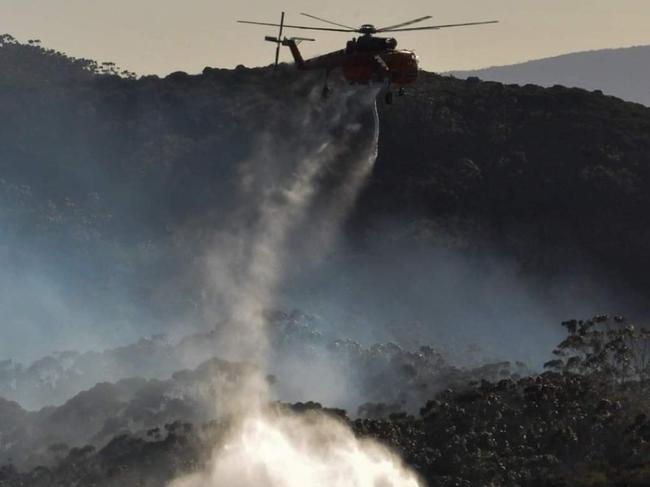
(390,96)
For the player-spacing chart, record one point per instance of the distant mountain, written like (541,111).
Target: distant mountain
(624,73)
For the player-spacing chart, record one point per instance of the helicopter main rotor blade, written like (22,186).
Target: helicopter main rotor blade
(327,21)
(436,27)
(296,26)
(404,24)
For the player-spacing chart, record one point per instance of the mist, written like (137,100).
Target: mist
(473,308)
(410,292)
(44,308)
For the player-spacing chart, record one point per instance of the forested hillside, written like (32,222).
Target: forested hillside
(112,186)
(91,159)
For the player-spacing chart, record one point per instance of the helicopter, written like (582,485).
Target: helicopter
(366,59)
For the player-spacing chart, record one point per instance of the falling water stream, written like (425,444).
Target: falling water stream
(297,190)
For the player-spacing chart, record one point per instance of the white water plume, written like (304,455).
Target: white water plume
(280,450)
(296,192)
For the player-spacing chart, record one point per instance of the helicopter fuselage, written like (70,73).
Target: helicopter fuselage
(365,60)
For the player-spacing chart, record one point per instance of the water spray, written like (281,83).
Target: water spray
(296,192)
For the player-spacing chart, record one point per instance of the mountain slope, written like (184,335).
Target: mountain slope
(619,72)
(111,187)
(554,176)
(115,185)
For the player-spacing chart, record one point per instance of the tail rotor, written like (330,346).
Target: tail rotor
(277,41)
(292,43)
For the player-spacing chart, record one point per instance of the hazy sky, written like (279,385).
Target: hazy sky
(160,36)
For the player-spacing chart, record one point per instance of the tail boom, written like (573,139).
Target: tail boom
(292,44)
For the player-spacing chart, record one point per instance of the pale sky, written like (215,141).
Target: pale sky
(161,36)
